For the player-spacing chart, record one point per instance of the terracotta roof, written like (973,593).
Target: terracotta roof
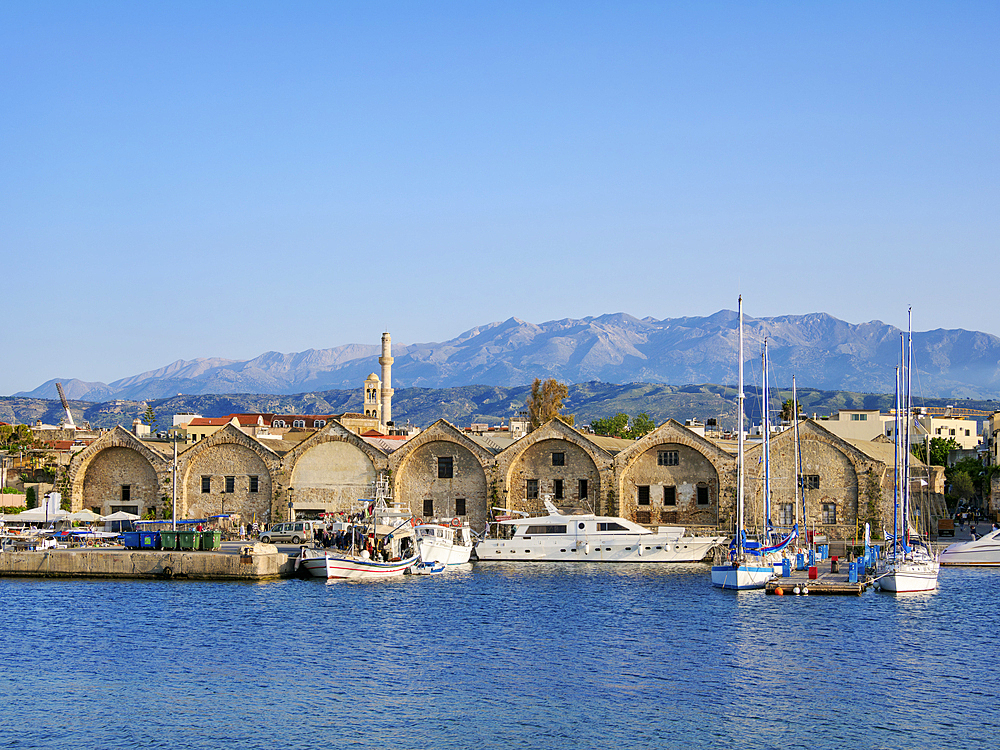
(210,422)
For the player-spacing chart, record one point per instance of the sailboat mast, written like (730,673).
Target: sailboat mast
(906,446)
(798,455)
(766,424)
(739,438)
(898,423)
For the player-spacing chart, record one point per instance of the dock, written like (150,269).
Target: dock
(165,564)
(825,582)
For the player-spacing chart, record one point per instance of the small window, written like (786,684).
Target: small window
(255,484)
(558,459)
(429,507)
(126,492)
(230,484)
(643,494)
(319,423)
(531,489)
(668,516)
(703,494)
(555,529)
(206,485)
(786,514)
(667,458)
(642,516)
(610,526)
(951,432)
(809,481)
(829,513)
(446,467)
(670,496)
(299,423)
(459,506)
(582,489)
(558,489)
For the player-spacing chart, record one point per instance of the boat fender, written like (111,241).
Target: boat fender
(779,591)
(796,591)
(805,591)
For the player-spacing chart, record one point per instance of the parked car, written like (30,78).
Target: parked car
(295,532)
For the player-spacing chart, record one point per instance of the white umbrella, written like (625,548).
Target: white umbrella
(86,515)
(122,516)
(35,515)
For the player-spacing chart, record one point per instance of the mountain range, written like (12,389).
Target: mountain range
(820,350)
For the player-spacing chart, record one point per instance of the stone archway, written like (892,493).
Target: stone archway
(119,478)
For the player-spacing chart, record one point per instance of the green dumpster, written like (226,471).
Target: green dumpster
(211,539)
(189,539)
(168,539)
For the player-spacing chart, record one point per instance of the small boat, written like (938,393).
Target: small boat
(749,566)
(450,544)
(909,565)
(422,568)
(573,535)
(382,543)
(982,551)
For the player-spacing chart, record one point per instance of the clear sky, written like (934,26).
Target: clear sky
(220,179)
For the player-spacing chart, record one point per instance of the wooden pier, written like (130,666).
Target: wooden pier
(825,582)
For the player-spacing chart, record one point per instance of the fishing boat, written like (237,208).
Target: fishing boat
(982,551)
(576,535)
(909,565)
(448,543)
(381,542)
(745,570)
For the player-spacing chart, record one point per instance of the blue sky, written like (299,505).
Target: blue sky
(182,180)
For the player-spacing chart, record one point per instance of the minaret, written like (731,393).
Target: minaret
(386,361)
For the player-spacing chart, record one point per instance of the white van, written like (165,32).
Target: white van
(295,532)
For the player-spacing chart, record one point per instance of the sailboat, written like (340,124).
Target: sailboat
(748,569)
(907,567)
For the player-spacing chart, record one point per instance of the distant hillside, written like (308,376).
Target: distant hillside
(462,406)
(822,351)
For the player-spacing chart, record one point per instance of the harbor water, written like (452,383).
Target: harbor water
(497,656)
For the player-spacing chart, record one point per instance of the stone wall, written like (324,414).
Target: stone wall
(331,477)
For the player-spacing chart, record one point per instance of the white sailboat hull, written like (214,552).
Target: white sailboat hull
(739,577)
(906,576)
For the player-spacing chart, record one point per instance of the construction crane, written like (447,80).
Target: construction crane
(65,404)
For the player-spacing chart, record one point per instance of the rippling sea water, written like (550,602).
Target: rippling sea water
(498,656)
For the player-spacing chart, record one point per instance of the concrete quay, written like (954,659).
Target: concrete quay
(122,563)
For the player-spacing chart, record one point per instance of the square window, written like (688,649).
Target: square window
(459,506)
(558,489)
(642,516)
(531,489)
(670,496)
(643,494)
(558,459)
(429,507)
(786,514)
(703,494)
(667,458)
(230,484)
(809,481)
(255,484)
(829,513)
(206,485)
(668,516)
(446,467)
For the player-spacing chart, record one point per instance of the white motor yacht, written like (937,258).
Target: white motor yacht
(982,551)
(577,536)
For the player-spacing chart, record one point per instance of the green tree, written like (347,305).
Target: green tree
(940,448)
(150,418)
(962,486)
(546,402)
(786,410)
(616,426)
(30,499)
(641,425)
